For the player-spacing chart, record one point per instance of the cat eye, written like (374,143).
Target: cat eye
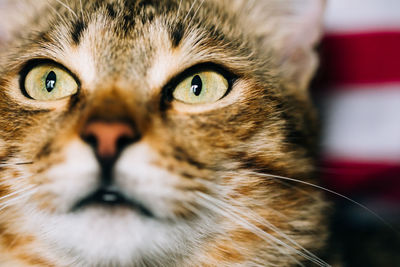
(201,88)
(49,82)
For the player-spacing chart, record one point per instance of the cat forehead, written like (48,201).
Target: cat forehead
(134,39)
(135,23)
(103,52)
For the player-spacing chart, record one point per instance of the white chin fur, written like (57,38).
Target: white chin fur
(96,237)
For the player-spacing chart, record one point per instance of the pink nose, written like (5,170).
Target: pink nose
(106,137)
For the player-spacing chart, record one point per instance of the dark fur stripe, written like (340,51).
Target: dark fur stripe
(78,28)
(177,34)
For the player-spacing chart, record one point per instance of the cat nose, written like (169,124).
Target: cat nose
(108,139)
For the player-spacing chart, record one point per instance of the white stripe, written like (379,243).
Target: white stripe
(362,15)
(363,123)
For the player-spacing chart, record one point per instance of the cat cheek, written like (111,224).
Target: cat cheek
(2,148)
(72,177)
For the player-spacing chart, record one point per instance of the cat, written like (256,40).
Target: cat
(159,133)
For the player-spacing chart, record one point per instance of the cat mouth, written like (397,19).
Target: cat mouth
(110,198)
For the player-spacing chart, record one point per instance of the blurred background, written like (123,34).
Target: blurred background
(357,91)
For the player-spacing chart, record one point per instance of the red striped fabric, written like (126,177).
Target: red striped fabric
(361,58)
(352,177)
(358,61)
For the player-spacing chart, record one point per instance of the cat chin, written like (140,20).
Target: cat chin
(99,237)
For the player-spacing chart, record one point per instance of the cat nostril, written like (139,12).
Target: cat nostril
(109,138)
(90,139)
(124,141)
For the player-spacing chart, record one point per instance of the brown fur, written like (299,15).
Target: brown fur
(124,53)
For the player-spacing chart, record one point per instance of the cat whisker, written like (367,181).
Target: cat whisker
(220,206)
(16,192)
(16,200)
(326,190)
(7,164)
(262,221)
(6,180)
(195,13)
(190,9)
(7,183)
(252,215)
(27,192)
(67,7)
(80,3)
(179,9)
(200,213)
(57,13)
(247,225)
(212,187)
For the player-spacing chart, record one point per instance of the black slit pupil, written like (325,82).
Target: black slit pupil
(197,85)
(51,80)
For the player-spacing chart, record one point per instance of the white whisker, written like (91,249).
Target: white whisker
(27,193)
(179,9)
(252,215)
(80,3)
(263,221)
(6,180)
(211,186)
(195,13)
(188,13)
(67,7)
(256,230)
(58,14)
(16,192)
(327,190)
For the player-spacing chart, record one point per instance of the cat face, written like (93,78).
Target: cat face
(149,132)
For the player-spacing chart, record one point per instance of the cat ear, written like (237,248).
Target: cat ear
(298,37)
(300,23)
(291,28)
